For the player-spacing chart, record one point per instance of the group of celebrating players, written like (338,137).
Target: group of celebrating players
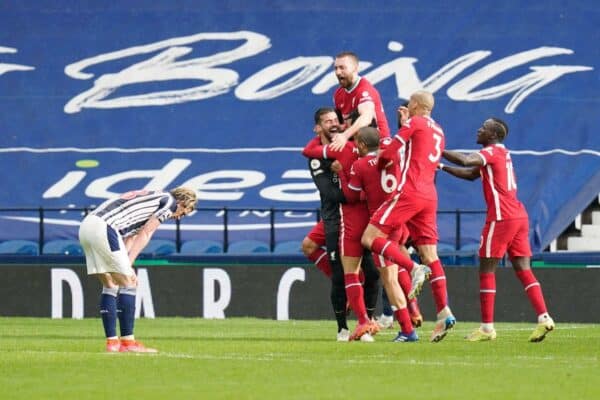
(377,192)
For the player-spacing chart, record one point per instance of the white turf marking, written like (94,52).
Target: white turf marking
(383,358)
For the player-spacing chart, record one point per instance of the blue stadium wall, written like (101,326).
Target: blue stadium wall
(98,99)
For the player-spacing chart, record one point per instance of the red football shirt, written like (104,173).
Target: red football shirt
(377,184)
(346,156)
(499,184)
(347,101)
(424,142)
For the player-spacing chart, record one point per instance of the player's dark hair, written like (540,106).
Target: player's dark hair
(347,54)
(369,136)
(500,128)
(323,110)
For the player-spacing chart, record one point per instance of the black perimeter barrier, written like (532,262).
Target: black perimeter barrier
(275,286)
(270,287)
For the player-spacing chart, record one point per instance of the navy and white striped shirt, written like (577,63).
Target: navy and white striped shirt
(128,213)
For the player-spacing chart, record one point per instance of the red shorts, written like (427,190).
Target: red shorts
(500,237)
(399,236)
(354,220)
(417,213)
(317,234)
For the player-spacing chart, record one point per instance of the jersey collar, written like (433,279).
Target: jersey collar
(353,86)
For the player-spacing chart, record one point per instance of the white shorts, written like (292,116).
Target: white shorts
(105,251)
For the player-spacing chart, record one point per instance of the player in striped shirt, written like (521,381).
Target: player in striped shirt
(112,236)
(506,228)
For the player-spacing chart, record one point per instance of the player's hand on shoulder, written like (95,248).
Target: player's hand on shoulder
(338,143)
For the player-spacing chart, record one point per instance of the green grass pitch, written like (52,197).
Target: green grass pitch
(242,358)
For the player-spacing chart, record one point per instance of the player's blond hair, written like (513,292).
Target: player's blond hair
(187,197)
(424,99)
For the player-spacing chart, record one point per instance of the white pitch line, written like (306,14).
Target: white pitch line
(385,359)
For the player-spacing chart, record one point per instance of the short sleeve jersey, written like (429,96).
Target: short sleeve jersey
(347,101)
(423,141)
(129,212)
(378,185)
(346,156)
(499,184)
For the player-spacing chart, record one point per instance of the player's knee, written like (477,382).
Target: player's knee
(125,280)
(427,253)
(366,241)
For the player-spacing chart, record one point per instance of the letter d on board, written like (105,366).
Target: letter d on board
(58,276)
(213,307)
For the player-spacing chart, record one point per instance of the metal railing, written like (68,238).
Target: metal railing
(225,212)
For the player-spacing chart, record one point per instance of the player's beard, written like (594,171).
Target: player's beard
(334,130)
(344,82)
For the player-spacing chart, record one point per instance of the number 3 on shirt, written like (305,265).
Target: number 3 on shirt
(438,148)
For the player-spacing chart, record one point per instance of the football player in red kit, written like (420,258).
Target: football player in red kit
(357,100)
(506,228)
(354,218)
(377,186)
(415,204)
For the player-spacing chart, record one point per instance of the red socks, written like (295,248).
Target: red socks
(438,285)
(320,259)
(403,317)
(533,290)
(405,283)
(355,296)
(487,296)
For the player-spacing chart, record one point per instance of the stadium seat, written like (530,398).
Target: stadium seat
(447,253)
(68,247)
(248,247)
(159,247)
(468,254)
(24,247)
(288,247)
(193,247)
